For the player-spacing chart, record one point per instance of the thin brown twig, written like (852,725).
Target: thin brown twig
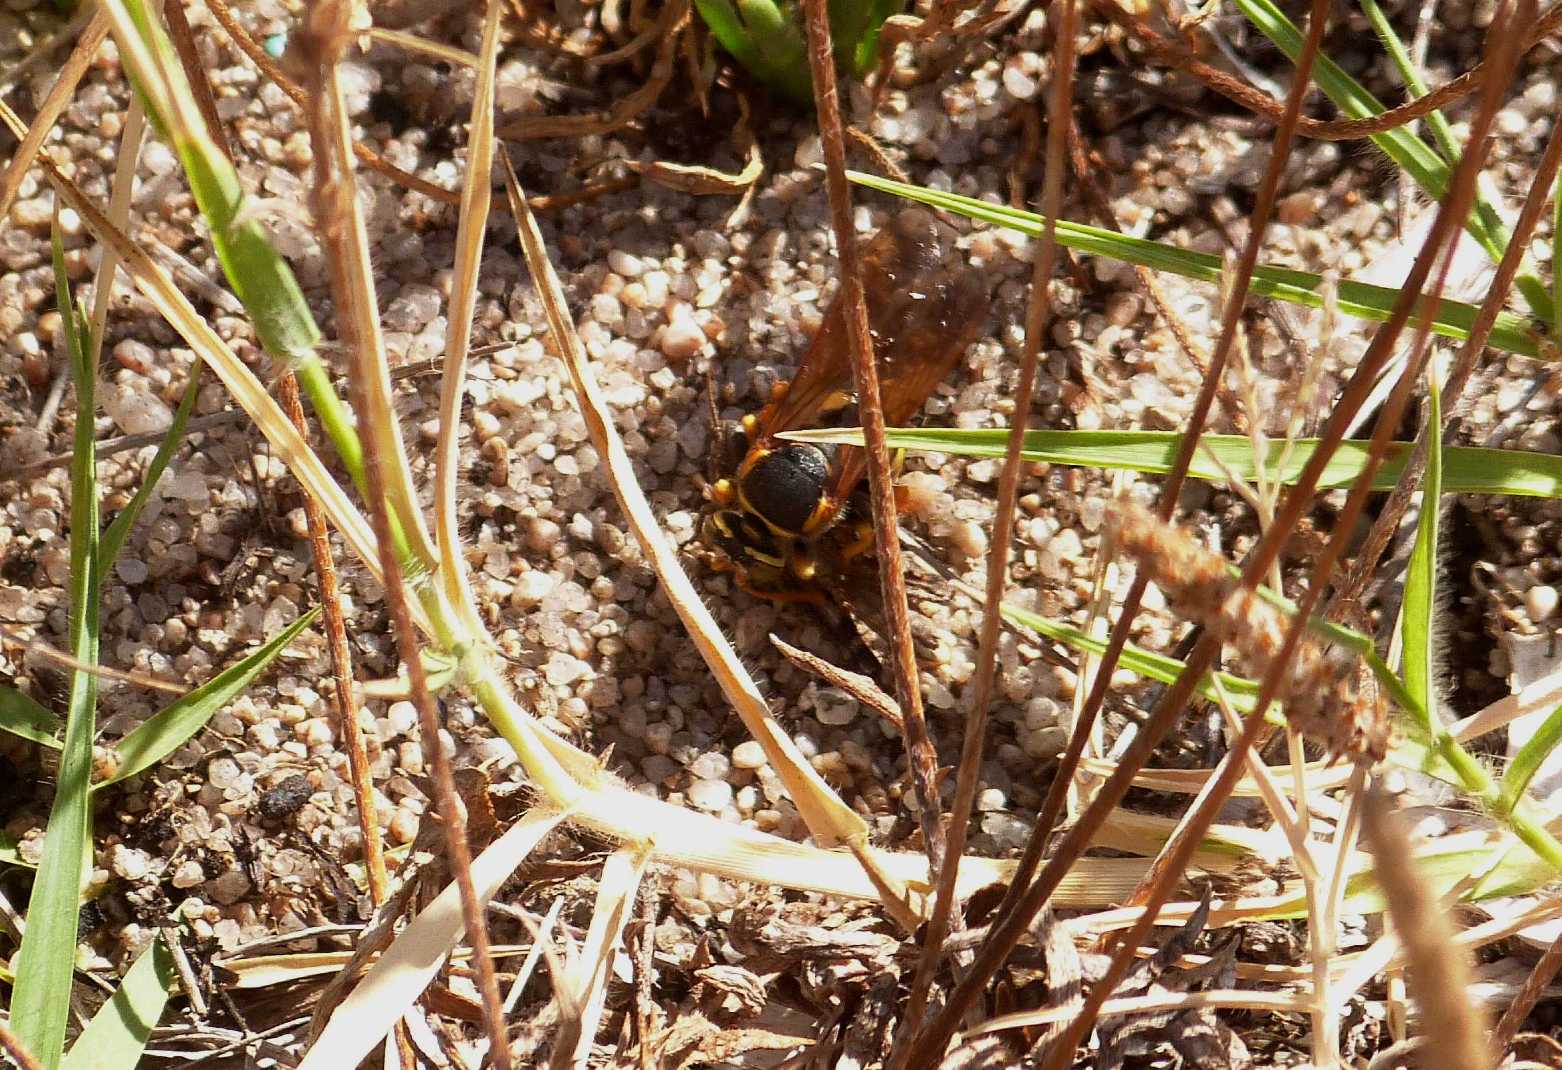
(25,1059)
(1545,969)
(190,59)
(920,754)
(59,95)
(347,727)
(328,32)
(1038,313)
(1175,54)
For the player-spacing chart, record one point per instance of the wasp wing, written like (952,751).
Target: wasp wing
(914,316)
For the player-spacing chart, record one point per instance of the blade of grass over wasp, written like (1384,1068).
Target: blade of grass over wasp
(1451,319)
(1466,469)
(167,730)
(46,962)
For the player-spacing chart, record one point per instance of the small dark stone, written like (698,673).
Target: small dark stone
(284,799)
(91,917)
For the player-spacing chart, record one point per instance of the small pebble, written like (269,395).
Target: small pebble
(748,755)
(711,795)
(834,707)
(1540,602)
(682,338)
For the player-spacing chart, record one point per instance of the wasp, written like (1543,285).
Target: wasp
(778,518)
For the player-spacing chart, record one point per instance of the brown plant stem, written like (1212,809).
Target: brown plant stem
(1037,315)
(13,1047)
(1176,54)
(347,727)
(340,229)
(920,754)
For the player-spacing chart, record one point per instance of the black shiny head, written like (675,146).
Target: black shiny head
(784,485)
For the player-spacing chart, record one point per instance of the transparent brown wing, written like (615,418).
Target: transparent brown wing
(922,315)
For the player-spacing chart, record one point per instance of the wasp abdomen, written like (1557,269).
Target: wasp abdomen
(784,485)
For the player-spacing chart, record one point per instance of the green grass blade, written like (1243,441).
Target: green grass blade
(1527,762)
(1420,601)
(1556,258)
(260,277)
(119,528)
(1436,122)
(1451,319)
(168,729)
(258,274)
(1465,469)
(117,1034)
(45,964)
(22,715)
(1242,692)
(765,39)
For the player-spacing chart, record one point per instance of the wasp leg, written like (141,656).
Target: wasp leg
(796,597)
(861,542)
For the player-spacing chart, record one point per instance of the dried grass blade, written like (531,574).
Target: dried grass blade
(407,966)
(476,193)
(587,980)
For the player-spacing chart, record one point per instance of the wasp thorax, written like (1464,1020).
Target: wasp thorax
(785,485)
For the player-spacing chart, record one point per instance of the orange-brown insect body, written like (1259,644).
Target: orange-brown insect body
(781,509)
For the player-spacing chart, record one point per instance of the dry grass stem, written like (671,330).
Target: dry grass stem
(920,753)
(59,96)
(1440,973)
(1037,316)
